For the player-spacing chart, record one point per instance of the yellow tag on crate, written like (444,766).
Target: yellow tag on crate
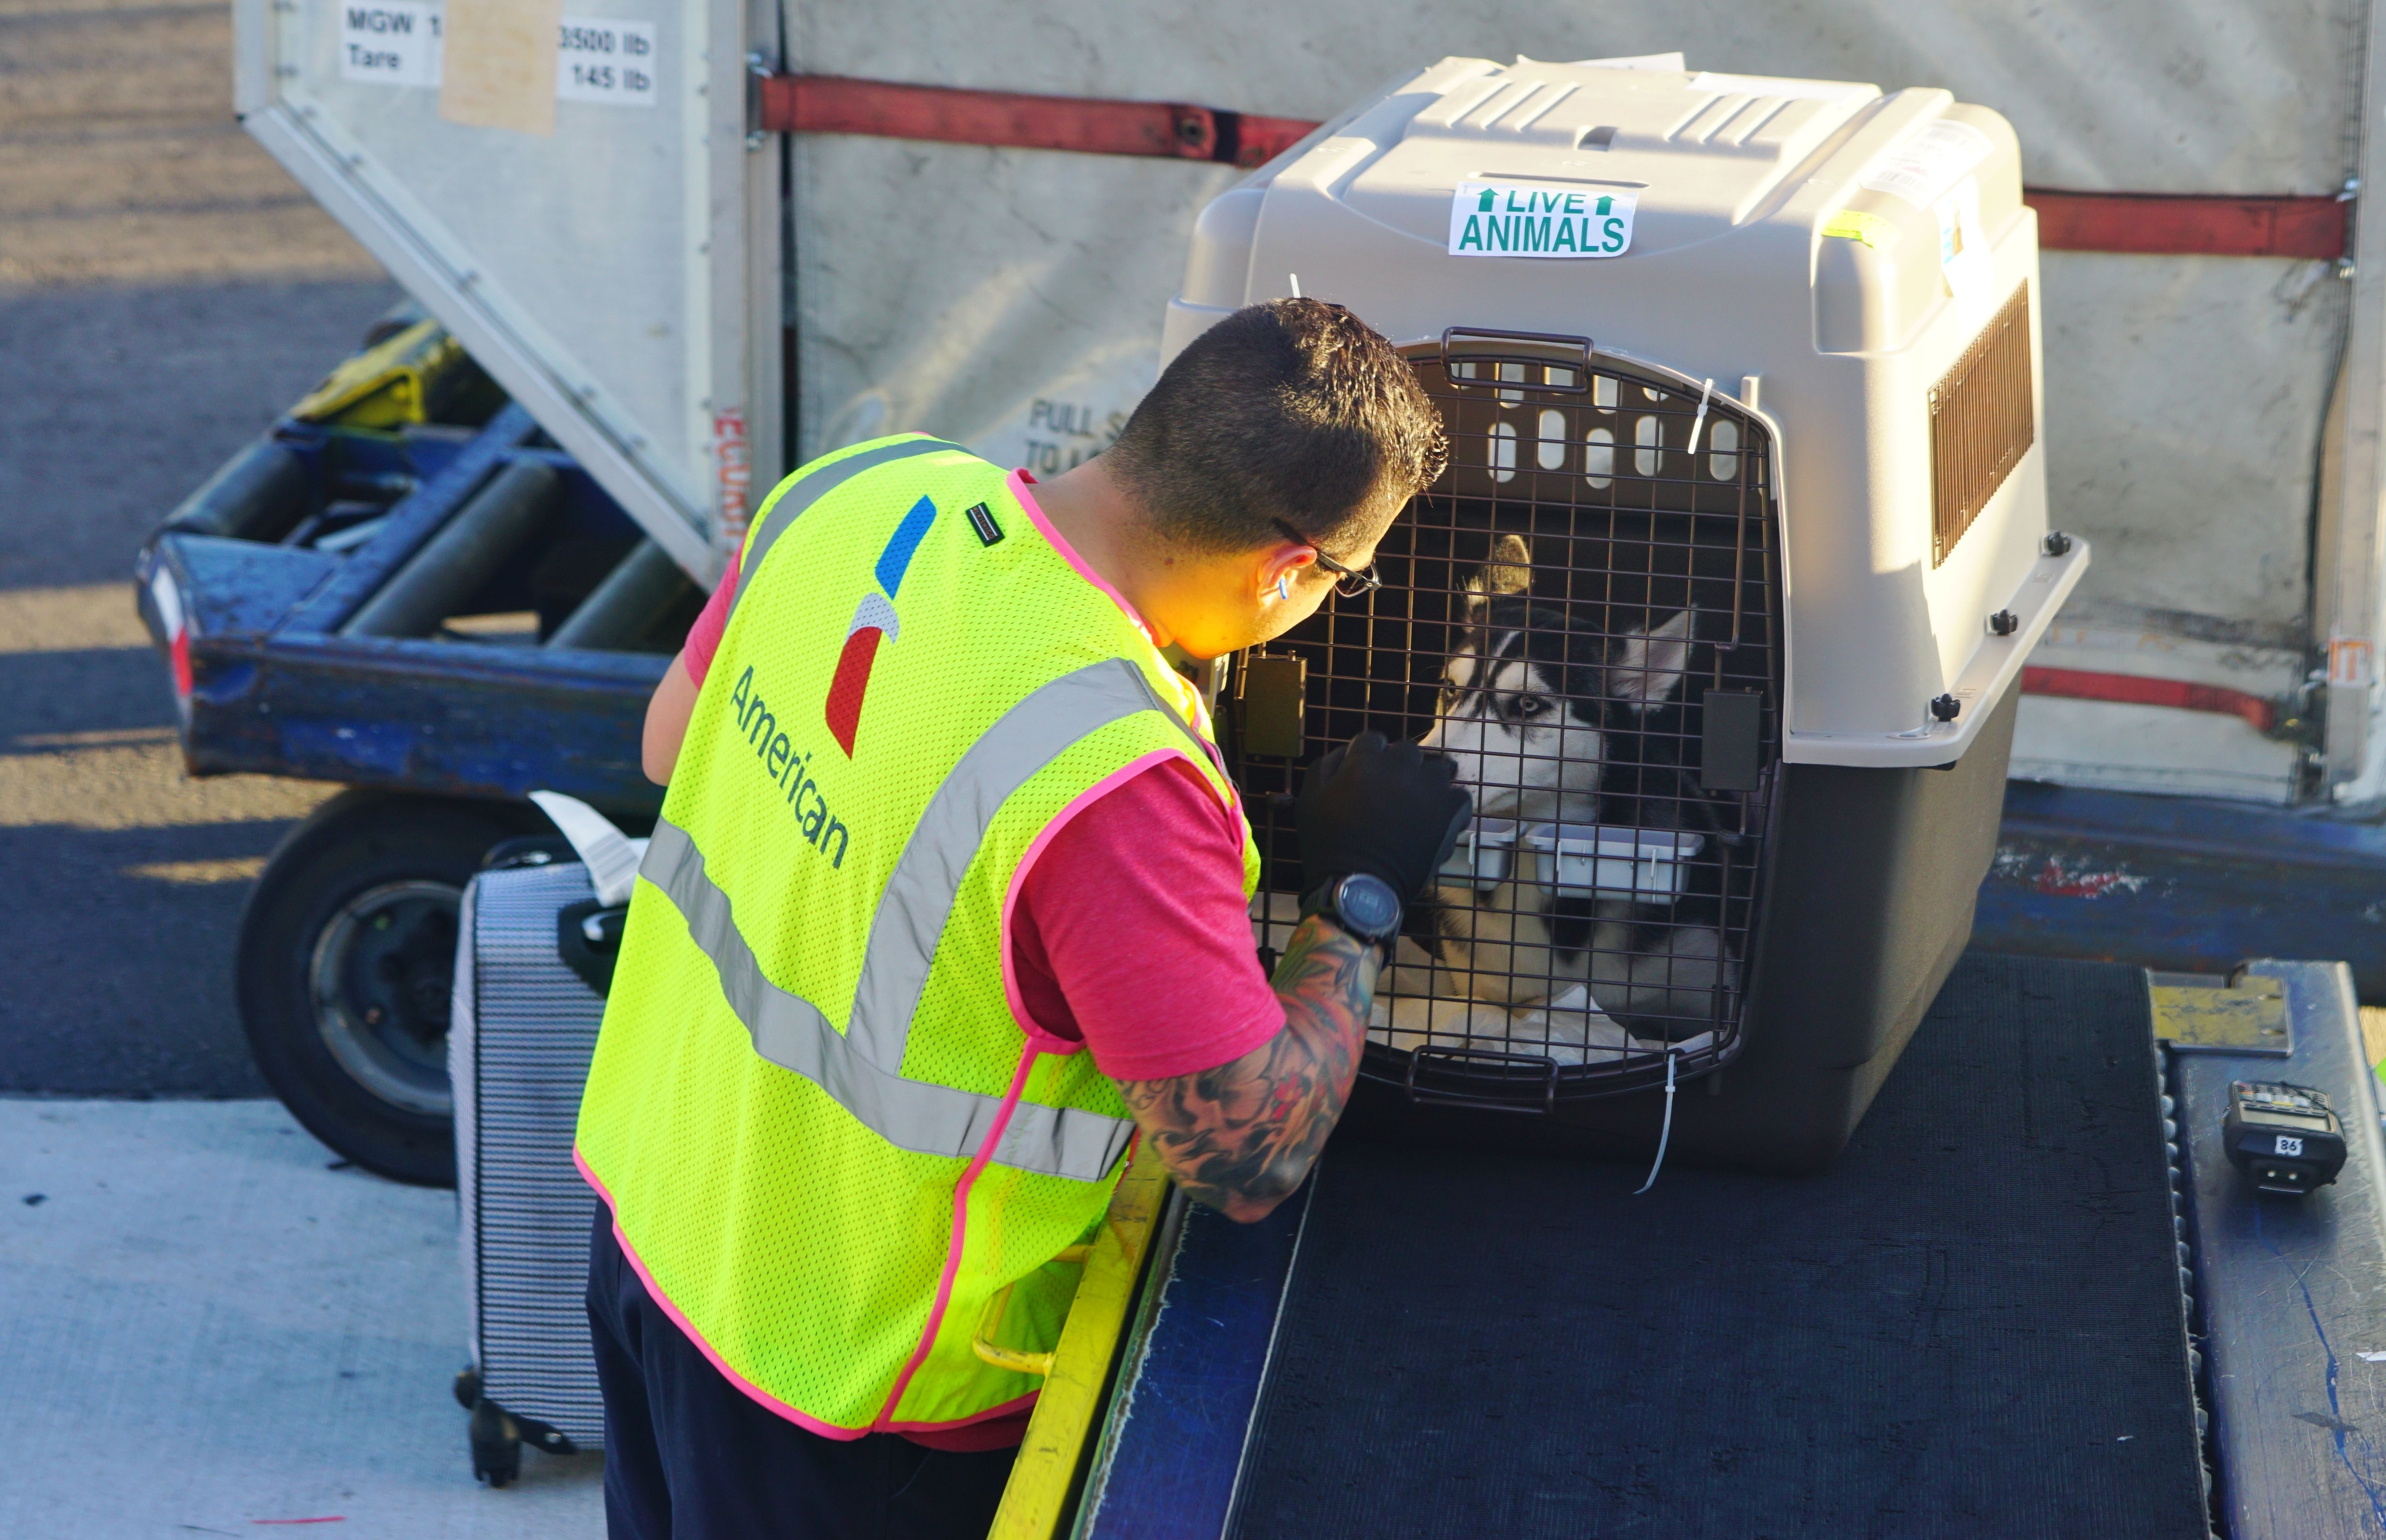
(1873,229)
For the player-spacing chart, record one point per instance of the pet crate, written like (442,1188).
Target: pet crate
(1720,603)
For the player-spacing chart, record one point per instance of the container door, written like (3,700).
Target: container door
(568,186)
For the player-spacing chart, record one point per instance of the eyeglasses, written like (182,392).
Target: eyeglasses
(1347,582)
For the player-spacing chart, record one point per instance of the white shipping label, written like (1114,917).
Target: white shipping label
(1965,263)
(1928,164)
(2289,1144)
(1523,218)
(611,62)
(392,42)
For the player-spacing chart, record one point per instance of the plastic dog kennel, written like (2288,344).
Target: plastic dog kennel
(1721,604)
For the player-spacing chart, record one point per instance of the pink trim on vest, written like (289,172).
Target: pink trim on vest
(1039,1040)
(960,1234)
(687,1328)
(1068,552)
(763,1398)
(1008,1408)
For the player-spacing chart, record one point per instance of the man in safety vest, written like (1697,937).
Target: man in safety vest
(940,816)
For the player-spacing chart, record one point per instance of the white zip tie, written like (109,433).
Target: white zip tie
(1665,1133)
(1698,422)
(1296,284)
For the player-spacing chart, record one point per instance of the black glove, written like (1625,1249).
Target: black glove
(1383,808)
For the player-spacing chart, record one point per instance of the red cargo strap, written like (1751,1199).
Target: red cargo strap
(2190,224)
(1176,131)
(2156,223)
(2137,690)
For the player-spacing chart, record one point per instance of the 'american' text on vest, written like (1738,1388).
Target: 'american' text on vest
(786,766)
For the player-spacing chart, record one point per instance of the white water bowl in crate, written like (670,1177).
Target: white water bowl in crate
(1480,857)
(1648,865)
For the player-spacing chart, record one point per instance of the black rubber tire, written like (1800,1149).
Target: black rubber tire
(359,845)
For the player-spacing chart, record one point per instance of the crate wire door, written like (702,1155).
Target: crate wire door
(1585,612)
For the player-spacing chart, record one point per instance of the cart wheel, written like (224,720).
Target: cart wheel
(496,1444)
(346,953)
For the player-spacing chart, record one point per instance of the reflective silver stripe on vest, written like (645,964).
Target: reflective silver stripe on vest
(1202,748)
(927,879)
(910,1114)
(814,486)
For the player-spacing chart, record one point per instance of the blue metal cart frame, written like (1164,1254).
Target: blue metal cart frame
(275,688)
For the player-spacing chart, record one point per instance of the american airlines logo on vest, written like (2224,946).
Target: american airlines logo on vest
(785,765)
(873,621)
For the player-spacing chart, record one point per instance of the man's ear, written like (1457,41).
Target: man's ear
(1510,571)
(1648,665)
(1285,558)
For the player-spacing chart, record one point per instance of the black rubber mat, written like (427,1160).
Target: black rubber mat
(1971,1325)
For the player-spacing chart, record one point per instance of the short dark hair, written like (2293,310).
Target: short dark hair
(1292,411)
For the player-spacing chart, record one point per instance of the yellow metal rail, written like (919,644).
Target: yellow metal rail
(1077,1369)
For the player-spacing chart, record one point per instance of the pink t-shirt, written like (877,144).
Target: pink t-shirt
(1130,935)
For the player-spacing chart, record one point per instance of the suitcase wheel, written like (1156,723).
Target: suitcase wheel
(496,1444)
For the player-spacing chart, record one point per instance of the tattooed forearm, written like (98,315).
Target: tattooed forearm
(1242,1137)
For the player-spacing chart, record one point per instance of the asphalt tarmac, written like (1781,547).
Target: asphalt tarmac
(165,289)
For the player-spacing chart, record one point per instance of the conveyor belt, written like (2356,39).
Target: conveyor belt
(2293,1290)
(1972,1324)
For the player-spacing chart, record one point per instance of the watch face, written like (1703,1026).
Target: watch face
(1368,905)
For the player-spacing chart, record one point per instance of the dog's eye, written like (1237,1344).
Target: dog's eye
(1530,706)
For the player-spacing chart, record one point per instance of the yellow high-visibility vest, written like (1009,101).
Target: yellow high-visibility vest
(827,1132)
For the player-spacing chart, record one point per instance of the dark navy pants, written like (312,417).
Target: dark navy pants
(689,1457)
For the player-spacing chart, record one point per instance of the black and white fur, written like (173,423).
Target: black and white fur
(1533,711)
(1525,698)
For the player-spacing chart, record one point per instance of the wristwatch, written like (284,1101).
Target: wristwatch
(1364,905)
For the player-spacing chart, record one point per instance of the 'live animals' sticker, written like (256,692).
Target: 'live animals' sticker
(1523,218)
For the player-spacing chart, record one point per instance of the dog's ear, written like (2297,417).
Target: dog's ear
(1648,668)
(1508,570)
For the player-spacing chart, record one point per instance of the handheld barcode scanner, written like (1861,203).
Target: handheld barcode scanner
(2285,1137)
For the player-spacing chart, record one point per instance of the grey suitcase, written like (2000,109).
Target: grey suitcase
(523,1025)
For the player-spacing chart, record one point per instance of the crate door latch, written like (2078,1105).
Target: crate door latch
(1274,690)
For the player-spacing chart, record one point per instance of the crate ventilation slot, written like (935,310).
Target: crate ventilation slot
(1983,419)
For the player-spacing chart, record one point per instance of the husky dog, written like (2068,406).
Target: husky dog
(1523,699)
(1529,710)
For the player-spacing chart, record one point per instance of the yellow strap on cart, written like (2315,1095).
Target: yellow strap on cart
(1019,1359)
